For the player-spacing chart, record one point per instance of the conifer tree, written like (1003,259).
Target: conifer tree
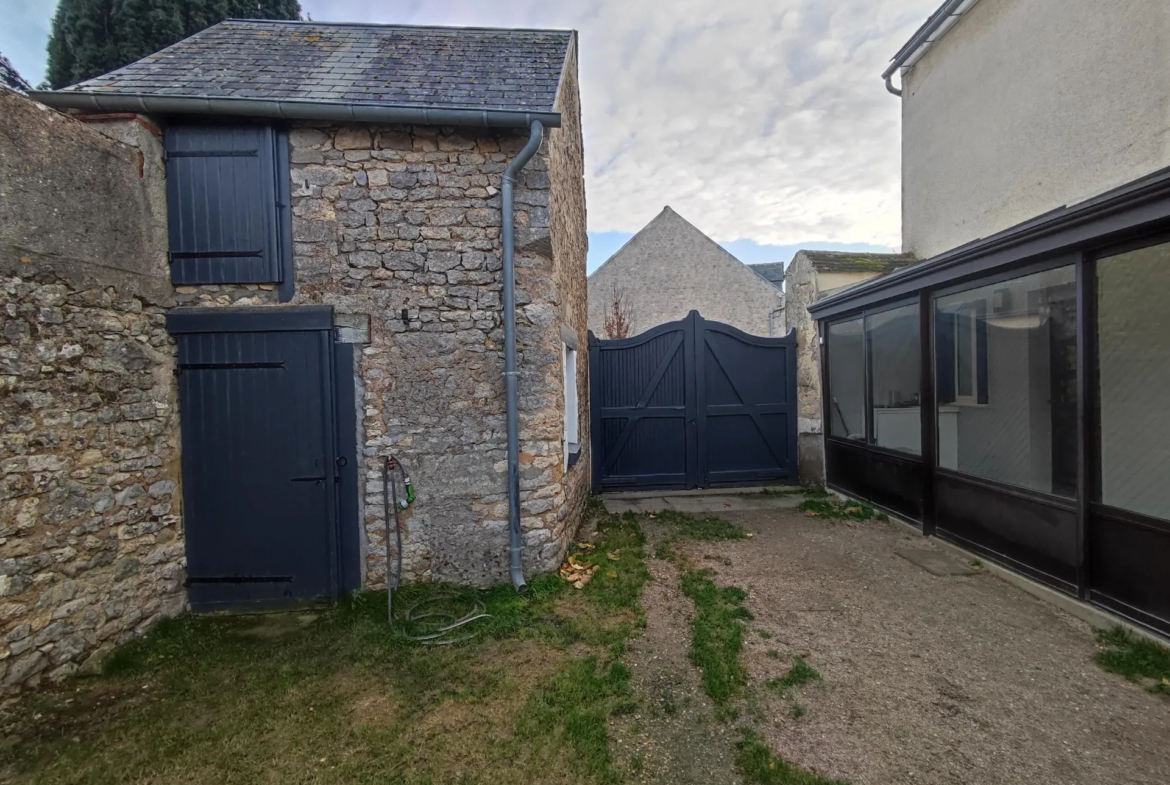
(93,37)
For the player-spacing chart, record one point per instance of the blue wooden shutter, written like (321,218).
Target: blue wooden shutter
(944,337)
(221,204)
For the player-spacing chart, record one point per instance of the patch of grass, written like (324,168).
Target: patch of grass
(764,634)
(684,526)
(664,550)
(798,711)
(574,709)
(339,696)
(830,509)
(785,490)
(773,654)
(976,563)
(1137,658)
(758,765)
(718,636)
(799,674)
(618,584)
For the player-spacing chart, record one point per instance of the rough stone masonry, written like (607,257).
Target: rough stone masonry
(91,548)
(403,225)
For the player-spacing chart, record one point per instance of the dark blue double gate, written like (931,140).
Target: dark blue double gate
(693,404)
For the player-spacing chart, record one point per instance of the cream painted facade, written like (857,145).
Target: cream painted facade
(1026,106)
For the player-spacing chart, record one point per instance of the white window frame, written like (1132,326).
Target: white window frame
(970,315)
(572,408)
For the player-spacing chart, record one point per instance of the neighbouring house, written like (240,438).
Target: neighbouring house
(670,268)
(1008,392)
(812,276)
(267,259)
(11,78)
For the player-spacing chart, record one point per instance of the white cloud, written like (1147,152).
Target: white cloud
(760,119)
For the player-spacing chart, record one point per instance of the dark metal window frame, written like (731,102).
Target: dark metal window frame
(867,392)
(1131,218)
(969,284)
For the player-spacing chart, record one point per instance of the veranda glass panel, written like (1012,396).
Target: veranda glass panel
(1007,381)
(846,345)
(895,363)
(1133,345)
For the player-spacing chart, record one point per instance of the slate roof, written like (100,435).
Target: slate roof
(772,272)
(852,262)
(405,66)
(11,78)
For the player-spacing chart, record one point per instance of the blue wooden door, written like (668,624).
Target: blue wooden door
(260,470)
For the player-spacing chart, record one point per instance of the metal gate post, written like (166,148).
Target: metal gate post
(696,398)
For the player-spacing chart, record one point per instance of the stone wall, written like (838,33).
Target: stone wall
(91,549)
(402,225)
(800,292)
(570,245)
(670,268)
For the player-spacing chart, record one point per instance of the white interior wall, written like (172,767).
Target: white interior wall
(1134,328)
(847,382)
(994,439)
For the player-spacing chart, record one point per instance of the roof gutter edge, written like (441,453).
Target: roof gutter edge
(293,110)
(919,40)
(1144,190)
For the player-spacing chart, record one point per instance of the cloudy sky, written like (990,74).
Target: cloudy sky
(763,122)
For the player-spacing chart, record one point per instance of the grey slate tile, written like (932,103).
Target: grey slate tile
(426,67)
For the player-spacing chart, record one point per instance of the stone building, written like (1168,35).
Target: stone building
(334,192)
(670,268)
(812,276)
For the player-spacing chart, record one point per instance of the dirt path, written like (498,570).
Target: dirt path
(958,678)
(673,737)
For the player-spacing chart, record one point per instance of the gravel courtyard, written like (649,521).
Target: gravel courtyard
(958,677)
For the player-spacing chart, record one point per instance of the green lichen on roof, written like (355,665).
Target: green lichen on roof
(855,262)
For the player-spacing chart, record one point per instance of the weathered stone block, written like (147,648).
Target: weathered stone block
(353,138)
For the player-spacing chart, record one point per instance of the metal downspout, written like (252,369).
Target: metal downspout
(509,241)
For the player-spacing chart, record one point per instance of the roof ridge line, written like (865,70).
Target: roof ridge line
(400,25)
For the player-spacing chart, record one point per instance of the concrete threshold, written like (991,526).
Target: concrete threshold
(771,489)
(1095,617)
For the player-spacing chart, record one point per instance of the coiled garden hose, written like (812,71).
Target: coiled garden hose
(390,497)
(438,625)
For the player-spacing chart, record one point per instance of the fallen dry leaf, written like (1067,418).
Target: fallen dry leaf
(614,555)
(613,574)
